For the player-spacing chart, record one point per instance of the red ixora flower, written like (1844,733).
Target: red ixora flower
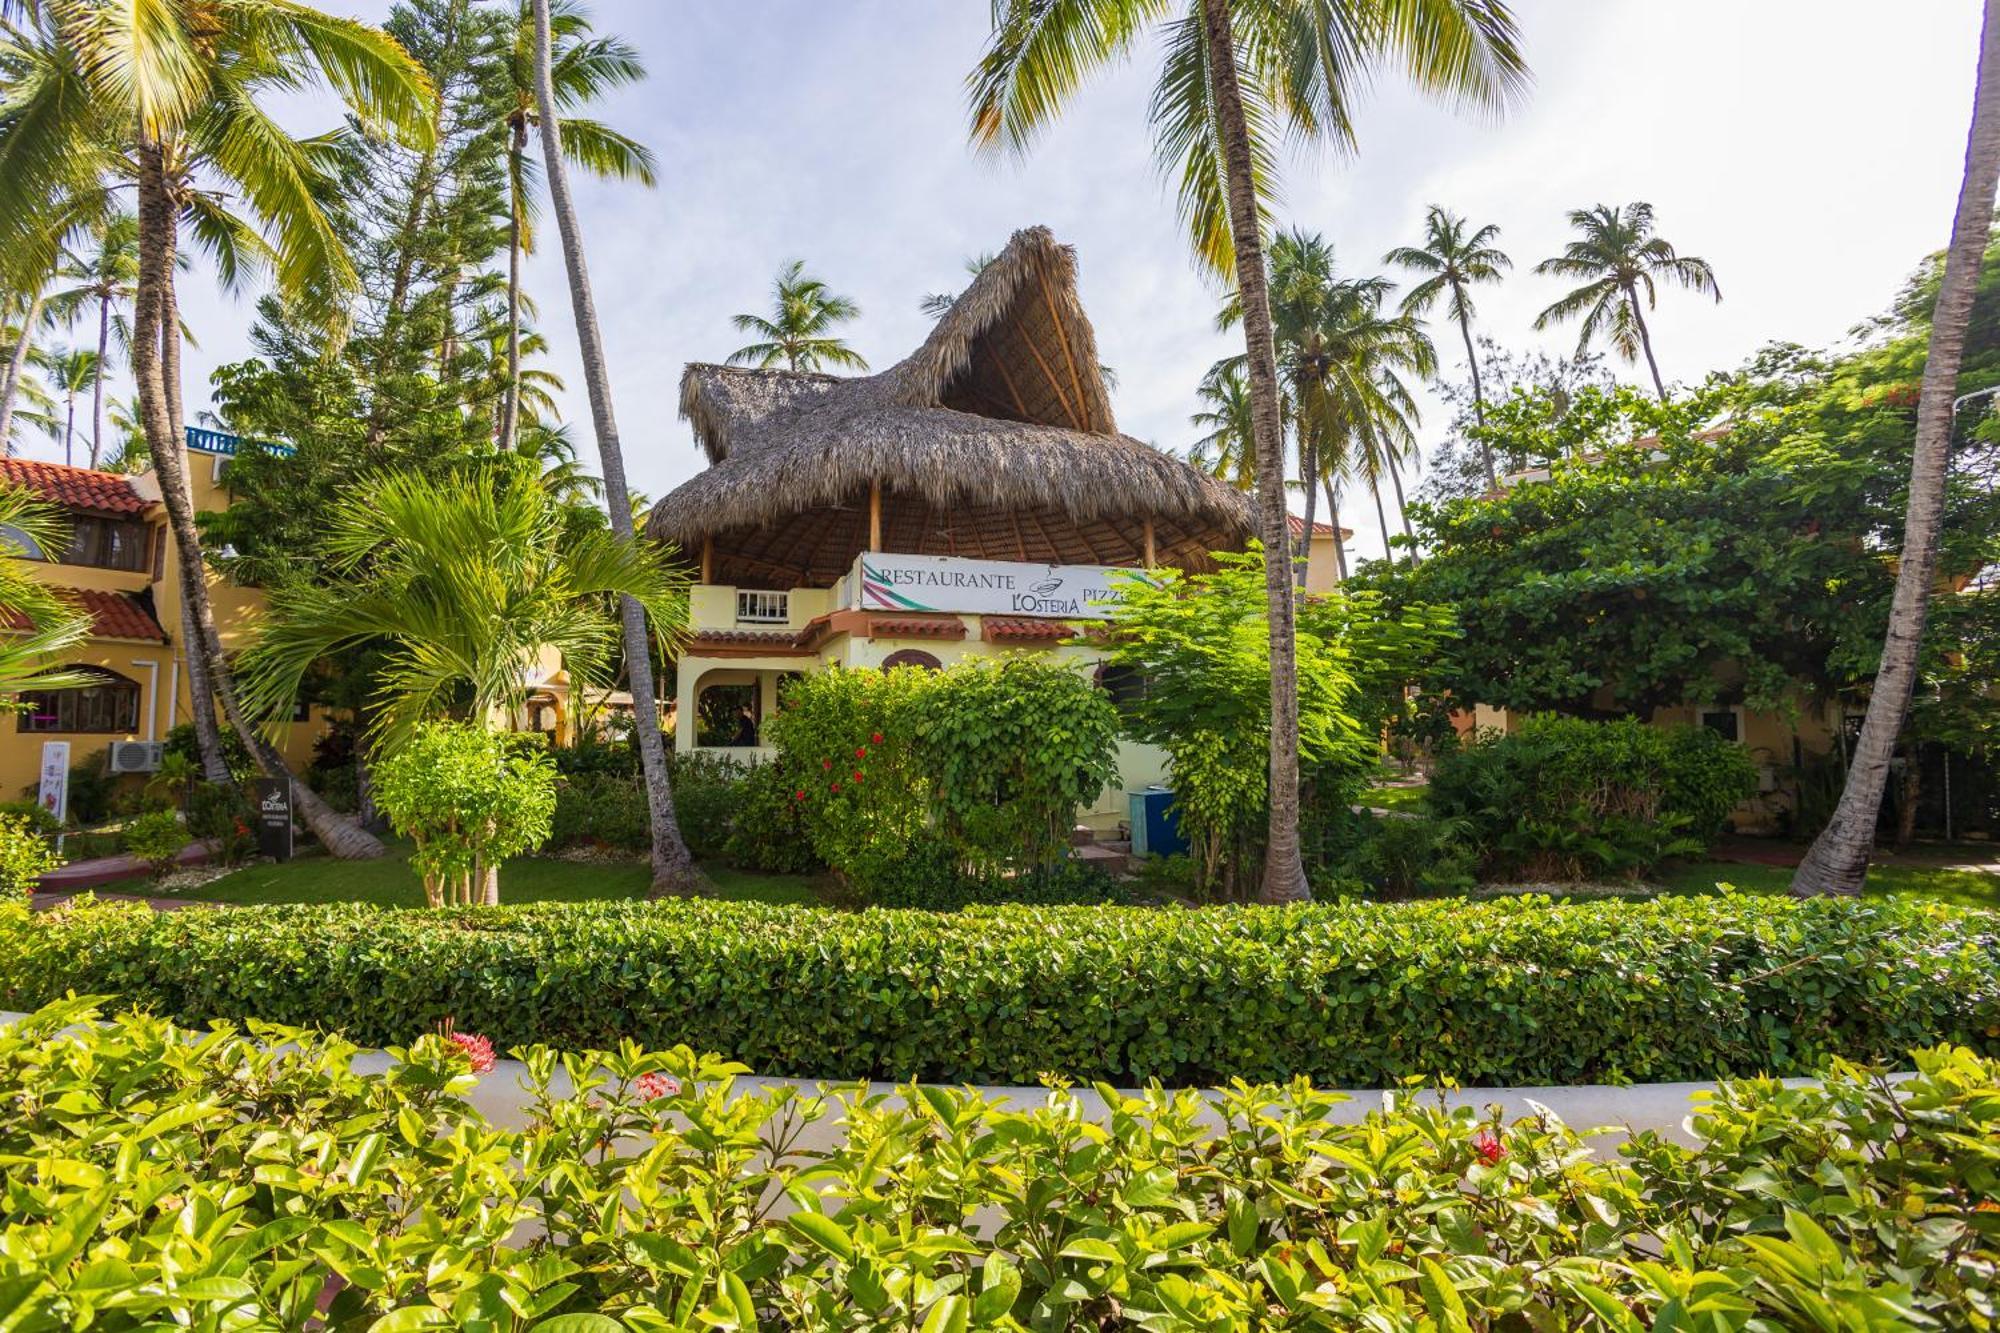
(652,1087)
(857,775)
(834,785)
(477,1049)
(1489,1147)
(799,795)
(876,739)
(860,752)
(826,764)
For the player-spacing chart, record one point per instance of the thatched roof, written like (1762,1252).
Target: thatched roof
(994,438)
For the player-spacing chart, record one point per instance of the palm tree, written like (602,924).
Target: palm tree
(460,582)
(1454,259)
(1616,258)
(935,304)
(104,276)
(674,870)
(170,96)
(1837,862)
(583,68)
(30,313)
(73,370)
(1228,451)
(799,332)
(1219,107)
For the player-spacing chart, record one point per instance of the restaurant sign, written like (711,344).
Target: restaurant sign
(892,582)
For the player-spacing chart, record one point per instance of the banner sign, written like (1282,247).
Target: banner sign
(274,817)
(892,582)
(54,793)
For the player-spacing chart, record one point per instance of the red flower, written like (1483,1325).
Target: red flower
(1487,1144)
(860,752)
(876,738)
(857,775)
(652,1087)
(826,764)
(799,795)
(477,1049)
(834,785)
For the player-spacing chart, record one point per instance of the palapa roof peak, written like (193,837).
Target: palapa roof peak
(1001,412)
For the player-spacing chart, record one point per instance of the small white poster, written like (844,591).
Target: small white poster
(892,582)
(54,795)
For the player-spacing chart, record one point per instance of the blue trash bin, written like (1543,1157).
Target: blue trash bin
(1156,824)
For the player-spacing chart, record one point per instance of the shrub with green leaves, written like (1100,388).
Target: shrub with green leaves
(157,838)
(469,798)
(1562,798)
(164,1179)
(769,829)
(1356,994)
(26,854)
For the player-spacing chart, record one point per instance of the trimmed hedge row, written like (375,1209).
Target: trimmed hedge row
(1518,991)
(156,1181)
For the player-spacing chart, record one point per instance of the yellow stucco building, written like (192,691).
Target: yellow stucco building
(975,499)
(122,567)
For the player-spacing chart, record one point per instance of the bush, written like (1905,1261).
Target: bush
(929,876)
(707,789)
(469,798)
(1410,857)
(1511,990)
(26,854)
(769,830)
(1567,799)
(156,838)
(223,815)
(92,787)
(598,809)
(1804,1208)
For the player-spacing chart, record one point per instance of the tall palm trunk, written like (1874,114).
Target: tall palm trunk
(1403,509)
(1646,341)
(69,427)
(1333,517)
(1478,402)
(674,871)
(1838,859)
(10,384)
(1284,873)
(1308,469)
(510,412)
(97,390)
(156,368)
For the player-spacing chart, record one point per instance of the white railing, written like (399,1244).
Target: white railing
(756,607)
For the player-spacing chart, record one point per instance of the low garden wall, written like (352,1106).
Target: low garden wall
(1519,992)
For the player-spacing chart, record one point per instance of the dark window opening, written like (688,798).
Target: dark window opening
(1127,686)
(912,657)
(1724,722)
(109,543)
(111,706)
(726,715)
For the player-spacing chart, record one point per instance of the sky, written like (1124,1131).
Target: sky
(1809,149)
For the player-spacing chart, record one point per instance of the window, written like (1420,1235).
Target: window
(111,706)
(1725,722)
(109,543)
(1126,685)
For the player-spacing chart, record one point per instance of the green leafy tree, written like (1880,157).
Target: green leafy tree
(102,275)
(799,330)
(468,799)
(1234,77)
(1227,450)
(73,372)
(460,582)
(1619,259)
(1454,258)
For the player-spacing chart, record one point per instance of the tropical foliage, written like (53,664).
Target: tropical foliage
(1619,260)
(468,799)
(798,333)
(1454,258)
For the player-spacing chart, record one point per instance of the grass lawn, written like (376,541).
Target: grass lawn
(1404,799)
(389,882)
(1950,884)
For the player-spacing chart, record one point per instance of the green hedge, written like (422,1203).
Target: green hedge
(1359,995)
(155,1181)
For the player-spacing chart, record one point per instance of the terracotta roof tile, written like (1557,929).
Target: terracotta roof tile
(75,487)
(778,636)
(898,627)
(1046,631)
(1319,529)
(113,615)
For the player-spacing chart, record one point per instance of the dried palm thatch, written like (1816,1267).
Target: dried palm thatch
(994,439)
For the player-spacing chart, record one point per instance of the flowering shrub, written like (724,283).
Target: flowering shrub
(469,798)
(1520,991)
(264,1164)
(156,838)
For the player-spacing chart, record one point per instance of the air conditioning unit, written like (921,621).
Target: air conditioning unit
(136,756)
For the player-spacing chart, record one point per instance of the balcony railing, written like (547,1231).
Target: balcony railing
(204,441)
(757,607)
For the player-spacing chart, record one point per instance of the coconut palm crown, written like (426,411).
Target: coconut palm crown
(798,334)
(1454,258)
(1619,259)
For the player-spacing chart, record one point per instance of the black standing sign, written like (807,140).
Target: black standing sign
(274,818)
